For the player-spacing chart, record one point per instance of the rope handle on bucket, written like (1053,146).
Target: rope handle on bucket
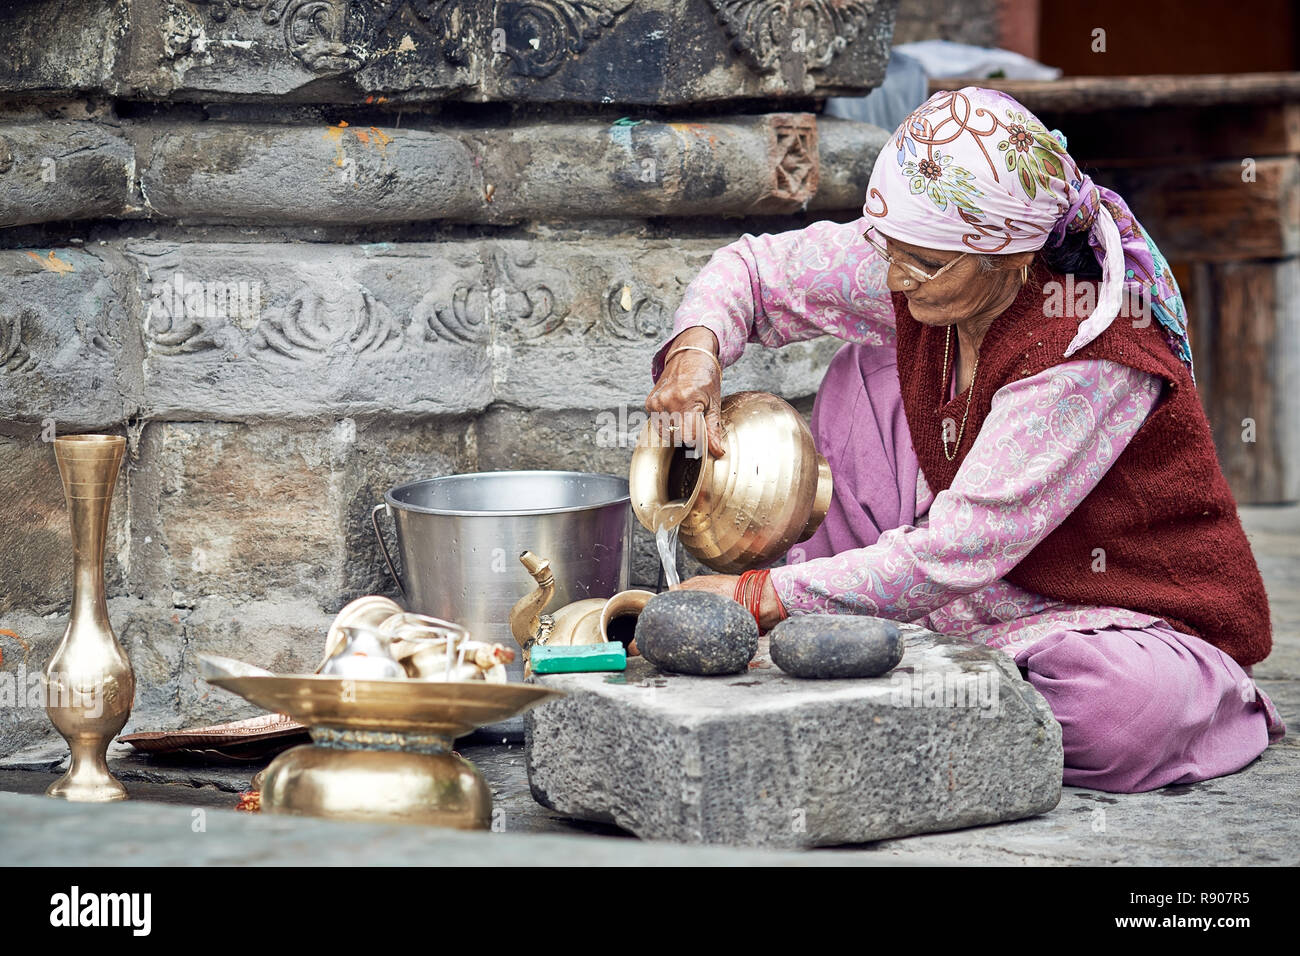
(374,523)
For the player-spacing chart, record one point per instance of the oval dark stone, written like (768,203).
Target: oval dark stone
(695,632)
(836,645)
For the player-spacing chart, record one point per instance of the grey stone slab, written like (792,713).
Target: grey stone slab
(353,174)
(240,332)
(659,52)
(245,331)
(332,174)
(243,512)
(59,170)
(69,359)
(78,54)
(953,738)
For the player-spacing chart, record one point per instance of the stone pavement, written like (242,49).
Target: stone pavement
(1246,818)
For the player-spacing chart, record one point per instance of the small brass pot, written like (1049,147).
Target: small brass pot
(770,490)
(386,780)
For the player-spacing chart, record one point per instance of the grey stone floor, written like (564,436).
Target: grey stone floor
(181,814)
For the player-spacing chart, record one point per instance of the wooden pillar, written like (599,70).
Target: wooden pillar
(1246,343)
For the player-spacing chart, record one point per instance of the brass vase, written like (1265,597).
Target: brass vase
(89,685)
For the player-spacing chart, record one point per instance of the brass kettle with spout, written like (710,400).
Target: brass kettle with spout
(589,621)
(770,490)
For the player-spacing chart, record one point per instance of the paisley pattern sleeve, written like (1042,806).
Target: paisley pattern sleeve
(824,279)
(1045,444)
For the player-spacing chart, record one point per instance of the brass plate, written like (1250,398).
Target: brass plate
(442,708)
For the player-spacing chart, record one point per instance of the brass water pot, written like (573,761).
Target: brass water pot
(769,491)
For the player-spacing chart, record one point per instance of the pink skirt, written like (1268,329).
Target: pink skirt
(1138,708)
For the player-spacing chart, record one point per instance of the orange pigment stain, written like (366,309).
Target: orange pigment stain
(54,264)
(374,136)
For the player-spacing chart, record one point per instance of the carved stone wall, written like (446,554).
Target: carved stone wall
(299,251)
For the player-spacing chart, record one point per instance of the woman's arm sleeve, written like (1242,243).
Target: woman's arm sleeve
(824,279)
(1046,443)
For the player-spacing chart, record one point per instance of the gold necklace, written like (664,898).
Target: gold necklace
(947,345)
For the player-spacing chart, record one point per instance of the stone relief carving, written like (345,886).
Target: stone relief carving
(797,169)
(319,321)
(460,315)
(169,331)
(764,31)
(186,315)
(320,34)
(527,299)
(632,314)
(334,37)
(541,34)
(14,354)
(514,295)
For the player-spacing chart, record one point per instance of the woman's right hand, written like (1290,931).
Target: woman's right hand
(690,383)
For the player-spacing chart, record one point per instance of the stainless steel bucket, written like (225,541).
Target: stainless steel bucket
(459,539)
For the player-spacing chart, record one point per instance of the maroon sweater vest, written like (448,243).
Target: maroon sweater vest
(1163,514)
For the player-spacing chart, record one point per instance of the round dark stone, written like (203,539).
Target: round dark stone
(695,632)
(836,645)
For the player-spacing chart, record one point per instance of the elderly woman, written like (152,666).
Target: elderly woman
(1011,464)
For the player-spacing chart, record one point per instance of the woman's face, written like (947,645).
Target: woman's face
(964,292)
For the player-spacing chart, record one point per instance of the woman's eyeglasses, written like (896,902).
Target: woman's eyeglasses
(910,269)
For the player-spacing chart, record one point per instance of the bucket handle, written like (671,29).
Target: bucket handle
(374,523)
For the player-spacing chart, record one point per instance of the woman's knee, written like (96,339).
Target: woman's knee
(1138,711)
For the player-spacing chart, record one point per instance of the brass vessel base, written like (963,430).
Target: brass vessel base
(378,786)
(87,781)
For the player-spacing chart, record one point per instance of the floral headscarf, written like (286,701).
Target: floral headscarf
(974,171)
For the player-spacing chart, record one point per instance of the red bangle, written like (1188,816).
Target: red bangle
(749,593)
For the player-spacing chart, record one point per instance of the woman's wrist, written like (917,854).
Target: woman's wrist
(697,336)
(754,591)
(771,610)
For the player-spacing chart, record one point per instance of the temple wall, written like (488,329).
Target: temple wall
(299,252)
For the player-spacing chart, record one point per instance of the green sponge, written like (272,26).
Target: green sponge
(582,658)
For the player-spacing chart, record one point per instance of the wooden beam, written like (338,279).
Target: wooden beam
(1177,135)
(1086,94)
(1208,213)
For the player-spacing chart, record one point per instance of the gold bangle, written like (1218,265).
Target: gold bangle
(696,348)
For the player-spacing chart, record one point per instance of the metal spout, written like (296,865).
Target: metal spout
(526,615)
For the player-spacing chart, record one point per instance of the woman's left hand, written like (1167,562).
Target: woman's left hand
(770,610)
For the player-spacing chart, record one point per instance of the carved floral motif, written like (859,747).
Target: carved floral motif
(335,37)
(320,321)
(455,314)
(764,32)
(541,34)
(634,315)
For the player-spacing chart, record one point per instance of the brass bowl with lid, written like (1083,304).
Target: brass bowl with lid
(382,750)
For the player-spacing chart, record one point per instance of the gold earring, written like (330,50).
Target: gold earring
(1024,273)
